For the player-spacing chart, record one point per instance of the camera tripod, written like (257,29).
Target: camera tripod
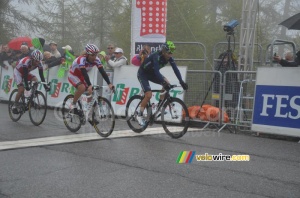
(227,63)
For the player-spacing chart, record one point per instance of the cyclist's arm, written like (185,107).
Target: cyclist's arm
(41,75)
(104,75)
(86,76)
(156,69)
(175,69)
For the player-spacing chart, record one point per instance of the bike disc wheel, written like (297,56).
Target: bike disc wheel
(175,117)
(72,121)
(132,109)
(103,117)
(37,108)
(11,101)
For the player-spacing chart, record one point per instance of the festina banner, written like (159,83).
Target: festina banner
(148,24)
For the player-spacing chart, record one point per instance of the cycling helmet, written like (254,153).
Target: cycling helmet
(168,47)
(37,55)
(91,49)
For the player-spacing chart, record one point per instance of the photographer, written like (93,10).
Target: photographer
(288,61)
(138,59)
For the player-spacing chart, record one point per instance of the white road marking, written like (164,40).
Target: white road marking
(75,138)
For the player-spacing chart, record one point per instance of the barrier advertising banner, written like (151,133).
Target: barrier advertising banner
(60,86)
(148,24)
(277,101)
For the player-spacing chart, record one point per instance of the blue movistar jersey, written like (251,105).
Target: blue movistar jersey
(155,61)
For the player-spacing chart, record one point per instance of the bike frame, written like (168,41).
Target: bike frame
(154,115)
(88,107)
(33,87)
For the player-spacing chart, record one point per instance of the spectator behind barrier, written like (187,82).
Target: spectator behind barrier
(119,60)
(25,51)
(54,51)
(138,59)
(6,57)
(110,54)
(61,59)
(101,56)
(288,61)
(48,59)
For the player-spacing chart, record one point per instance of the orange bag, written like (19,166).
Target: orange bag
(206,113)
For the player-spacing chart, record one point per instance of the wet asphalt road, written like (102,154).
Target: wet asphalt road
(143,165)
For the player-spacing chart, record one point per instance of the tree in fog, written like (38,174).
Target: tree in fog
(11,21)
(76,22)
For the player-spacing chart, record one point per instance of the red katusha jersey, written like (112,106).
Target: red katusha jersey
(81,62)
(153,16)
(27,62)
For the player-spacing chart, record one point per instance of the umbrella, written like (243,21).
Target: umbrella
(292,23)
(16,43)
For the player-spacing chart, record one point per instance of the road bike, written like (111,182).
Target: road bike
(98,112)
(172,113)
(33,101)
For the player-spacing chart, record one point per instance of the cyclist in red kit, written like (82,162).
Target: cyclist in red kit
(78,76)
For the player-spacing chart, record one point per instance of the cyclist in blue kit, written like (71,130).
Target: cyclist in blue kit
(149,71)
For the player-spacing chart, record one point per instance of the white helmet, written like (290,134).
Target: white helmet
(37,55)
(91,49)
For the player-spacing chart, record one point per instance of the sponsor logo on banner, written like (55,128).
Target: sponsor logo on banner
(148,24)
(60,87)
(153,46)
(7,83)
(153,17)
(277,106)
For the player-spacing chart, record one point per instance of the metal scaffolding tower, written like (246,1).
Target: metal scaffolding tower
(247,35)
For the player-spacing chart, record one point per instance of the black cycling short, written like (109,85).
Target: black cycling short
(144,78)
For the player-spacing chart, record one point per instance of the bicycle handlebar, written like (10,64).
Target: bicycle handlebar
(97,87)
(31,83)
(172,87)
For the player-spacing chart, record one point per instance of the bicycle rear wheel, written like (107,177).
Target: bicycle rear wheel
(175,117)
(71,120)
(37,108)
(103,117)
(11,102)
(132,109)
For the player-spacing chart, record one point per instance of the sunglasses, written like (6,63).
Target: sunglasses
(117,53)
(110,48)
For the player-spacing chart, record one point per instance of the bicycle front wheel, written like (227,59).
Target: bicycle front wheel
(37,108)
(71,120)
(14,116)
(132,109)
(103,117)
(175,117)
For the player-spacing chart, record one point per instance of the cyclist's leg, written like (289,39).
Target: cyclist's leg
(80,86)
(32,78)
(156,80)
(144,81)
(19,81)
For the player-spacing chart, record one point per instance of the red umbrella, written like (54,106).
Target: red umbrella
(16,43)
